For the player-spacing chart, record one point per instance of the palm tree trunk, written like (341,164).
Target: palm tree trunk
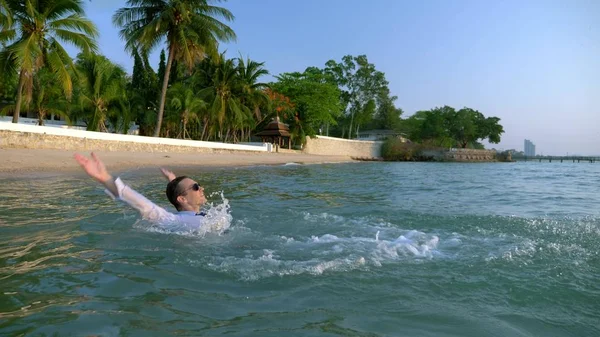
(41,116)
(227,135)
(350,128)
(163,94)
(204,128)
(19,97)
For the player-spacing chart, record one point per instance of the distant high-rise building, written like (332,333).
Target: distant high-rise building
(529,148)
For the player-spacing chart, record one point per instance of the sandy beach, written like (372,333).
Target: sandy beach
(31,161)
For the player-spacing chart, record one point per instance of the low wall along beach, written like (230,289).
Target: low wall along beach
(461,155)
(23,136)
(323,145)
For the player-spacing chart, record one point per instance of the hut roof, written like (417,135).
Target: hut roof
(275,128)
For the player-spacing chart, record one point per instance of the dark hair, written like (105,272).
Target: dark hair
(173,191)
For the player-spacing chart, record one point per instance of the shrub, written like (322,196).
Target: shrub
(393,149)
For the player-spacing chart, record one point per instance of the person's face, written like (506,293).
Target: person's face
(191,193)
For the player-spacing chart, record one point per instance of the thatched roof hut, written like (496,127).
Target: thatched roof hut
(277,133)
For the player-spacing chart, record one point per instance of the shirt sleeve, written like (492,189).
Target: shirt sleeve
(147,209)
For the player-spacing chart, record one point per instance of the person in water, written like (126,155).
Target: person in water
(184,193)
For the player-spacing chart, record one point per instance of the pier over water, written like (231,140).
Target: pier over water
(574,159)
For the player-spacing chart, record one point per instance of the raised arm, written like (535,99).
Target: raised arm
(95,168)
(169,175)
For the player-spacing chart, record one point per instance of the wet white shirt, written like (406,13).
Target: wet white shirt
(187,221)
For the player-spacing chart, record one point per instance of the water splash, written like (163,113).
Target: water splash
(327,253)
(217,220)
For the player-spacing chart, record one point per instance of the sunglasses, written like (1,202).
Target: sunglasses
(194,187)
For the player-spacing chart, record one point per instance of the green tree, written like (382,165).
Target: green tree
(138,77)
(462,126)
(191,30)
(316,101)
(222,91)
(490,129)
(161,65)
(447,127)
(6,20)
(142,92)
(9,78)
(388,116)
(361,84)
(253,93)
(431,127)
(47,98)
(102,96)
(187,106)
(34,37)
(8,86)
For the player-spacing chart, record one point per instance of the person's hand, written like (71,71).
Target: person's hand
(94,167)
(168,174)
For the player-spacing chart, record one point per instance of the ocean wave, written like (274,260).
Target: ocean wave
(327,253)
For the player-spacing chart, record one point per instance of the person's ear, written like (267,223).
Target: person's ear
(181,199)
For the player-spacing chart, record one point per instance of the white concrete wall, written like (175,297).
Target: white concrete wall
(323,145)
(133,128)
(47,122)
(54,131)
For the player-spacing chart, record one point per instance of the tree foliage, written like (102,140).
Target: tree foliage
(197,90)
(364,92)
(34,32)
(102,97)
(142,92)
(191,30)
(447,127)
(186,107)
(315,101)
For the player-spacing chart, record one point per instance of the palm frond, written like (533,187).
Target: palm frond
(6,18)
(75,22)
(57,65)
(52,10)
(7,34)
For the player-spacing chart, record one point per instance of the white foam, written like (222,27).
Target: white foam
(216,221)
(327,253)
(267,265)
(323,216)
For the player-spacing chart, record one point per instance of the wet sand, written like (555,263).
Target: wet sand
(31,161)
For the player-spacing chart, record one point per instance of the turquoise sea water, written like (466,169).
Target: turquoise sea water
(358,249)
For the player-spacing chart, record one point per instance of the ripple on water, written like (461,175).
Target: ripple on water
(334,249)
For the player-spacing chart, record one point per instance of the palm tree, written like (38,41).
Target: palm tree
(48,98)
(189,27)
(5,16)
(187,104)
(103,92)
(222,91)
(34,35)
(253,92)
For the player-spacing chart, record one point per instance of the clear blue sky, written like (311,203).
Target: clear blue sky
(534,64)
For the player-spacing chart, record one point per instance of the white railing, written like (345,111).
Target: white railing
(133,129)
(347,140)
(69,132)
